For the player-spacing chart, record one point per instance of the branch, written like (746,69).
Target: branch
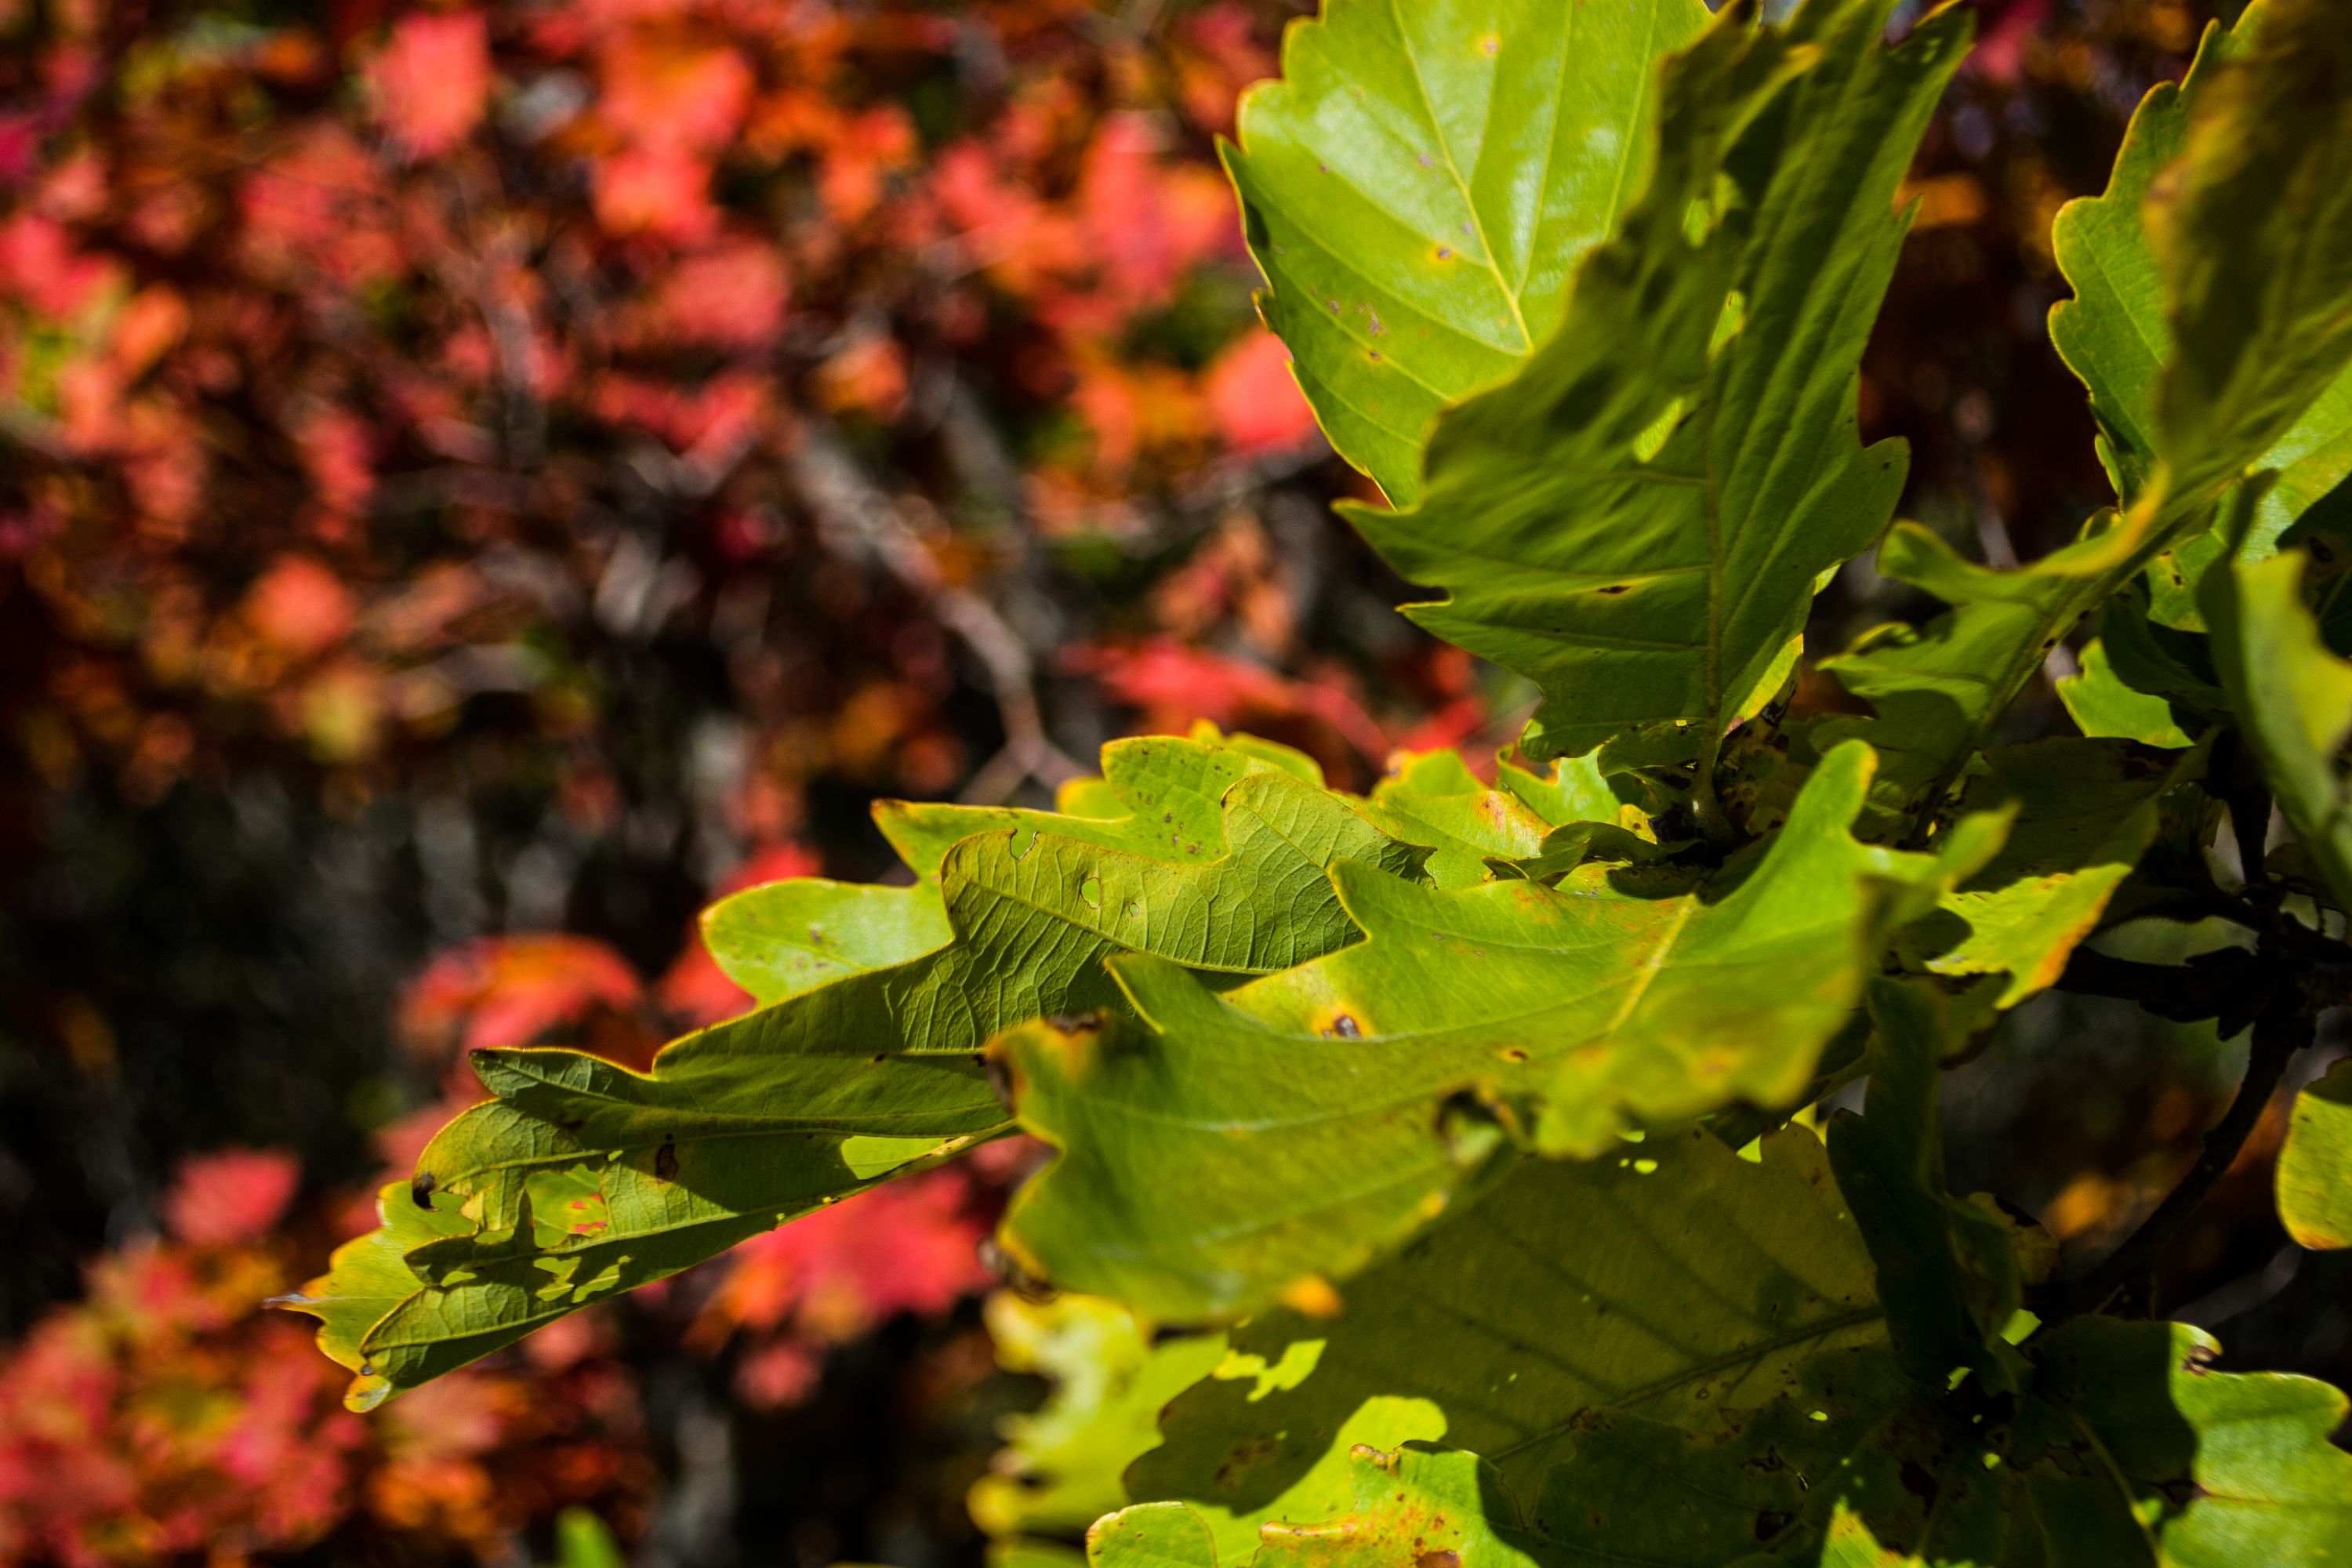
(2282,1028)
(854,514)
(2228,985)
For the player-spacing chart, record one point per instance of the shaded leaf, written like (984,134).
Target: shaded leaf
(2293,700)
(1636,521)
(1420,185)
(2116,336)
(1667,1280)
(1311,1118)
(2127,1451)
(2254,234)
(1945,1279)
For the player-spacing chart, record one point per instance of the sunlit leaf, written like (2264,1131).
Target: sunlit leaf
(1313,1117)
(2086,812)
(2315,1167)
(1420,185)
(1061,1468)
(1637,521)
(2251,254)
(784,938)
(583,1178)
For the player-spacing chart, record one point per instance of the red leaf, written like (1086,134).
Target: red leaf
(1253,397)
(234,1195)
(433,81)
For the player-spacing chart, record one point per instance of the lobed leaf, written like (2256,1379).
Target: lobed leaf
(1314,1117)
(2117,337)
(783,938)
(2248,246)
(1061,1468)
(2083,812)
(1637,520)
(1898,1430)
(1667,1280)
(582,1177)
(1420,185)
(2127,1451)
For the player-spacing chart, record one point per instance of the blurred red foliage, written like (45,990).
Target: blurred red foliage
(319,338)
(165,1417)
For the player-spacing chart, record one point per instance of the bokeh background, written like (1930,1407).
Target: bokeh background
(480,480)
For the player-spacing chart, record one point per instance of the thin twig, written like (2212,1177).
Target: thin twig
(857,515)
(2282,1028)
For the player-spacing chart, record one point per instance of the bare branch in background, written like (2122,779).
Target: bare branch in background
(857,518)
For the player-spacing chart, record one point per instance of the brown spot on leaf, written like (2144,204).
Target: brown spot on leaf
(1437,1560)
(1614,588)
(1344,1027)
(420,1191)
(666,1163)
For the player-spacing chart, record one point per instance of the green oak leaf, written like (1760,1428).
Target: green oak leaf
(2252,246)
(2102,705)
(367,1278)
(1420,185)
(1060,1469)
(2314,1168)
(1157,794)
(2127,1450)
(1152,1535)
(1432,798)
(1667,1280)
(781,939)
(2085,813)
(2254,232)
(1637,520)
(1314,1117)
(1569,789)
(582,1177)
(1160,795)
(2116,337)
(1709,1363)
(2293,698)
(2115,333)
(1946,1279)
(1936,690)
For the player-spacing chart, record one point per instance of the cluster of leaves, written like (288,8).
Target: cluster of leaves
(1472,1098)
